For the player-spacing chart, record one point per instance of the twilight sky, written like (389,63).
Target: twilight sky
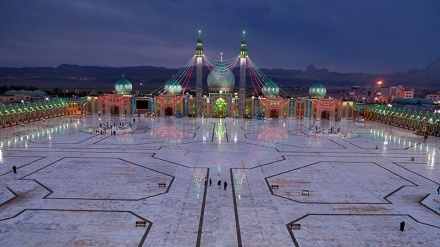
(370,36)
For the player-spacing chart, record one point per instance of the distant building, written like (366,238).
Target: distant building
(404,92)
(13,96)
(401,92)
(408,93)
(433,97)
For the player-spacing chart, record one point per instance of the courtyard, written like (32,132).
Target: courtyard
(76,186)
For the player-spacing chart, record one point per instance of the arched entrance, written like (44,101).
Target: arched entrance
(115,110)
(168,111)
(273,113)
(220,108)
(325,115)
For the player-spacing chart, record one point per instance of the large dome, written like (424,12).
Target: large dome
(173,87)
(317,91)
(123,86)
(221,79)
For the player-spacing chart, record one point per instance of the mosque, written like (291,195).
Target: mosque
(266,100)
(218,97)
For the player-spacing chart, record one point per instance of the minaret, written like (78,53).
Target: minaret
(199,90)
(242,84)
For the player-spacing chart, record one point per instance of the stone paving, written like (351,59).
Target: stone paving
(76,188)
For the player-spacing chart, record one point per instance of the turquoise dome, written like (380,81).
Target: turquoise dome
(123,86)
(221,79)
(317,91)
(270,89)
(173,87)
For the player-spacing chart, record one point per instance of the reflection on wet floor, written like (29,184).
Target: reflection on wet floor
(27,134)
(218,131)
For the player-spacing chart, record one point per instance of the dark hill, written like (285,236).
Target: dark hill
(71,77)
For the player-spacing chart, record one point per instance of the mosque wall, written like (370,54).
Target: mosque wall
(97,105)
(191,107)
(170,105)
(336,109)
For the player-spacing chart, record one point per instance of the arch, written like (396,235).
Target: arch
(220,108)
(168,111)
(115,110)
(273,113)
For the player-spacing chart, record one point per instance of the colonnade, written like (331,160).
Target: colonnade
(31,111)
(420,121)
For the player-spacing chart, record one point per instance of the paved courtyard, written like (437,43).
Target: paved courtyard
(77,188)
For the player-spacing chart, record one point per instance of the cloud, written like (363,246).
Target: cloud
(348,36)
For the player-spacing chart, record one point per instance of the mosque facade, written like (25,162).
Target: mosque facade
(220,100)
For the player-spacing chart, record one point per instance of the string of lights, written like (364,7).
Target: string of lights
(324,105)
(221,67)
(180,79)
(113,100)
(268,87)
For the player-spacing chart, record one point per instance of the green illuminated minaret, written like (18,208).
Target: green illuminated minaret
(243,48)
(199,90)
(242,84)
(199,48)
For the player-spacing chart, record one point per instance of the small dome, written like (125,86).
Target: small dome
(173,87)
(221,79)
(123,86)
(317,91)
(270,89)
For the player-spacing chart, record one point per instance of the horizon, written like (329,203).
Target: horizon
(293,69)
(372,37)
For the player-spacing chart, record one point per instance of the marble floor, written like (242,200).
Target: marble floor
(74,187)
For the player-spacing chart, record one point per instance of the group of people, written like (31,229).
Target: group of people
(122,125)
(332,130)
(98,132)
(219,183)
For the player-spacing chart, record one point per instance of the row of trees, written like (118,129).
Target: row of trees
(56,91)
(3,89)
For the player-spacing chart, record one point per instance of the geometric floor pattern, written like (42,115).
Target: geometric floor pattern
(76,188)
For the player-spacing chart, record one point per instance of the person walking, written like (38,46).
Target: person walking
(438,191)
(210,182)
(225,185)
(14,168)
(219,184)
